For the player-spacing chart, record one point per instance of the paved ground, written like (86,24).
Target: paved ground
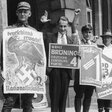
(70,109)
(48,110)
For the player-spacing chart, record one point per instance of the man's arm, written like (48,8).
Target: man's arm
(75,35)
(75,20)
(44,18)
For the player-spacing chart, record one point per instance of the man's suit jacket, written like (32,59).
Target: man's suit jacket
(52,38)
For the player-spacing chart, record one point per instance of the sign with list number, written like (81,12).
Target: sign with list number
(63,56)
(90,72)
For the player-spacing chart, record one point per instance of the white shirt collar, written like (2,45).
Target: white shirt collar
(59,40)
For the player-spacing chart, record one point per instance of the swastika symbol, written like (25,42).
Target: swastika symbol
(25,75)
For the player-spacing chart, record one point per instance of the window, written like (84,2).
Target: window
(88,12)
(88,3)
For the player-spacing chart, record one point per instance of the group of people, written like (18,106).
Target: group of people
(59,78)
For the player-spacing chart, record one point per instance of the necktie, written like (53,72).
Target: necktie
(63,39)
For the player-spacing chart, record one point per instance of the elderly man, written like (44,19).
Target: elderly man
(104,104)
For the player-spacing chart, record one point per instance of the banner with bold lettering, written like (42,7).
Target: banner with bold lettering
(63,56)
(106,91)
(90,72)
(24,61)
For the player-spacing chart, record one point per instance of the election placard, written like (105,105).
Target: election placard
(90,71)
(24,61)
(63,56)
(106,91)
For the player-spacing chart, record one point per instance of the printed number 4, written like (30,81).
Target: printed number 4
(73,61)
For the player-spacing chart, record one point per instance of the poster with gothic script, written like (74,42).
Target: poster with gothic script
(90,72)
(24,61)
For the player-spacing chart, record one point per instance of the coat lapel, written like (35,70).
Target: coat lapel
(54,38)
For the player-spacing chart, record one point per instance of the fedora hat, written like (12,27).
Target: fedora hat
(108,33)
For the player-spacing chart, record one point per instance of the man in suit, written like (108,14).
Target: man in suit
(59,78)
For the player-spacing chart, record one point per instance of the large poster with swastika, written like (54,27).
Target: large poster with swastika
(24,61)
(90,72)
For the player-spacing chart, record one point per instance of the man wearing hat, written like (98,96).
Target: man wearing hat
(104,104)
(23,13)
(83,91)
